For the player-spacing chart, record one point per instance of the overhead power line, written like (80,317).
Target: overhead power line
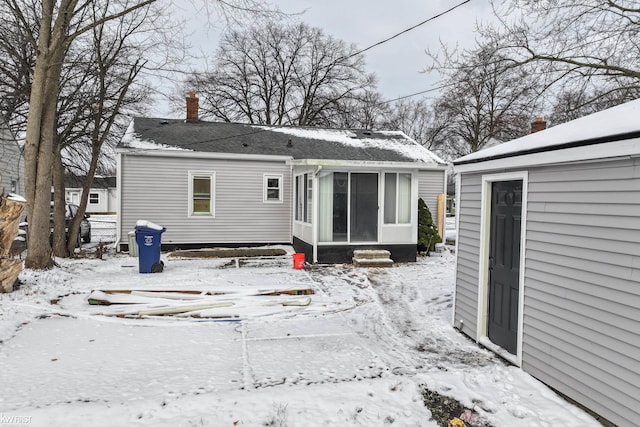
(419,24)
(361,51)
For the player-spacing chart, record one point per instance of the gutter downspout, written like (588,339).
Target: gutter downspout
(118,202)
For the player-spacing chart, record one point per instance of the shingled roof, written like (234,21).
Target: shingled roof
(298,143)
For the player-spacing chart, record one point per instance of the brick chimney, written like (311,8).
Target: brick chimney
(192,108)
(538,124)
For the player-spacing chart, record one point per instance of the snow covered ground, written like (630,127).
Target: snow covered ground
(361,354)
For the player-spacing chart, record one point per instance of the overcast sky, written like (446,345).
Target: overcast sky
(397,63)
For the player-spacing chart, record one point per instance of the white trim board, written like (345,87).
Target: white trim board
(199,155)
(605,151)
(483,262)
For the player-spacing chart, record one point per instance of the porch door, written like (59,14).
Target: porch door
(364,207)
(504,264)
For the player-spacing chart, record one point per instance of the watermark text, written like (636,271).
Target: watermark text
(14,420)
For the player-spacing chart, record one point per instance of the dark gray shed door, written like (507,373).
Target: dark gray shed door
(504,264)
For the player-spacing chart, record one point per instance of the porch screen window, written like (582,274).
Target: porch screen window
(348,207)
(397,198)
(201,193)
(309,193)
(272,188)
(303,197)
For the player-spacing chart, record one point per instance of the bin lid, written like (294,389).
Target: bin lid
(148,226)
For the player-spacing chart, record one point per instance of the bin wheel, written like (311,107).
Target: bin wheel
(157,267)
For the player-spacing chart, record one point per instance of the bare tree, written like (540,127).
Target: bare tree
(586,46)
(16,67)
(416,119)
(58,24)
(100,88)
(485,101)
(280,74)
(572,104)
(368,110)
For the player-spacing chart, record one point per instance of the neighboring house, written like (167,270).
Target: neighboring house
(11,162)
(325,191)
(548,257)
(102,197)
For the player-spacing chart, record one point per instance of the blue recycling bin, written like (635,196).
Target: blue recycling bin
(149,240)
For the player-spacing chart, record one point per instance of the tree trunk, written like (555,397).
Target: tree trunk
(59,220)
(10,213)
(39,156)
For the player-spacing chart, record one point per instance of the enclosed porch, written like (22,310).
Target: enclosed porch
(338,211)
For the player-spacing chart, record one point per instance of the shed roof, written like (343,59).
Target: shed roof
(297,143)
(614,124)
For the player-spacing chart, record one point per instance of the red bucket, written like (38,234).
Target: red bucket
(298,260)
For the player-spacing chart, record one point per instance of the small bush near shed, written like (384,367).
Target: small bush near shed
(427,231)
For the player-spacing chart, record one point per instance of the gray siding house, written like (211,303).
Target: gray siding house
(325,191)
(548,257)
(11,162)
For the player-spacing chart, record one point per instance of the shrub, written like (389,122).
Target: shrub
(427,231)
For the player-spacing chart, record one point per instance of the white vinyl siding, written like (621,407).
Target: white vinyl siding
(468,253)
(202,193)
(100,201)
(156,189)
(581,294)
(430,184)
(582,313)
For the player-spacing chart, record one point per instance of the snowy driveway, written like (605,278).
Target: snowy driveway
(360,354)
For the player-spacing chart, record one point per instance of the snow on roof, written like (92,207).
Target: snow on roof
(619,120)
(392,140)
(133,140)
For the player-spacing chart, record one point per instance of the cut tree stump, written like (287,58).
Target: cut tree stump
(11,208)
(9,271)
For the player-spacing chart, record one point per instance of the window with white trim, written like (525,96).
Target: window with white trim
(201,193)
(397,198)
(94,198)
(272,188)
(303,197)
(309,192)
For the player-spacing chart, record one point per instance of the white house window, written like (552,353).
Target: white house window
(397,198)
(309,192)
(273,188)
(303,197)
(201,193)
(94,198)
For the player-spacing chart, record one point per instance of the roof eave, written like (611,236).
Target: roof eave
(365,164)
(566,145)
(201,154)
(625,145)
